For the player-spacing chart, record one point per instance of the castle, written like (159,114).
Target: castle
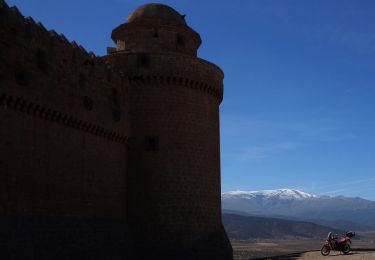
(113,157)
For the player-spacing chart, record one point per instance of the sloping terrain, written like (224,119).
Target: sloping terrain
(249,227)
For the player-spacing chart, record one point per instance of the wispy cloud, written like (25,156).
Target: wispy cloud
(334,192)
(361,41)
(351,188)
(256,139)
(348,183)
(264,151)
(236,126)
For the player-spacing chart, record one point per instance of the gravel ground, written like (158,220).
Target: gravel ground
(355,255)
(359,254)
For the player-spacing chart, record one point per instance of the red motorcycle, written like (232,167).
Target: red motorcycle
(342,245)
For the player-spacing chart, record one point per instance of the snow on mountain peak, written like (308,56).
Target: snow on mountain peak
(286,194)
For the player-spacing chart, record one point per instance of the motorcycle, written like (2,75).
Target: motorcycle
(332,243)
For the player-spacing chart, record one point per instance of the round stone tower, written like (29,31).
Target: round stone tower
(173,182)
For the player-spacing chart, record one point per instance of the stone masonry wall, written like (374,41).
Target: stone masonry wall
(114,157)
(64,124)
(64,127)
(174,185)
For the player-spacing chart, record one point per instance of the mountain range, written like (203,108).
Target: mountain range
(339,212)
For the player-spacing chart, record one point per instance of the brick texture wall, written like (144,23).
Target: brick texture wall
(114,157)
(174,190)
(64,124)
(63,144)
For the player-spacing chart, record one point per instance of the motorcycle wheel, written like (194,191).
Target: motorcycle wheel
(346,249)
(325,250)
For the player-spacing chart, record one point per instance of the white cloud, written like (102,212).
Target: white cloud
(348,183)
(264,151)
(360,41)
(302,131)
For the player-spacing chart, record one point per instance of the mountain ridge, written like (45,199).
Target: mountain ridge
(340,211)
(281,193)
(286,193)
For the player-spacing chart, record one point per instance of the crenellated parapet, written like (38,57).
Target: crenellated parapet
(64,125)
(32,32)
(45,68)
(114,157)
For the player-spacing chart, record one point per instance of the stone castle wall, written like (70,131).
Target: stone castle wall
(174,98)
(104,156)
(64,123)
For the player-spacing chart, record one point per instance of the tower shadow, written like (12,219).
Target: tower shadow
(291,256)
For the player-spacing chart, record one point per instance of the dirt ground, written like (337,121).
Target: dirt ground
(355,255)
(291,250)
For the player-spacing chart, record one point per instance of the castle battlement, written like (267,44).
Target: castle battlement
(44,68)
(113,157)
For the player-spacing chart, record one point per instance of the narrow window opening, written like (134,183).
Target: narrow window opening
(88,62)
(74,58)
(28,30)
(156,33)
(142,60)
(2,99)
(41,60)
(152,143)
(22,77)
(82,80)
(180,40)
(116,115)
(109,76)
(115,96)
(88,103)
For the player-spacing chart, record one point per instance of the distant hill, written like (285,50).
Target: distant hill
(241,227)
(339,212)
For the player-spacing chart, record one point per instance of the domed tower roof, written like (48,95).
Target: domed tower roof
(156,12)
(156,28)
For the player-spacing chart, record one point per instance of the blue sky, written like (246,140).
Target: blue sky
(298,109)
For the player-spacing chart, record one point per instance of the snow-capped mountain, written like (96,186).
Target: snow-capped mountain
(290,203)
(284,194)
